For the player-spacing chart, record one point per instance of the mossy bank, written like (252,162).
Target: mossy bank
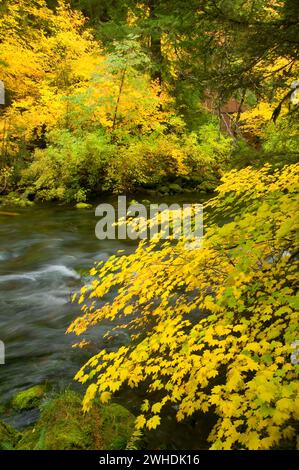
(63,426)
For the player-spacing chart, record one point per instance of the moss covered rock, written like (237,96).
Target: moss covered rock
(29,398)
(15,199)
(63,426)
(8,436)
(83,205)
(117,426)
(175,188)
(164,190)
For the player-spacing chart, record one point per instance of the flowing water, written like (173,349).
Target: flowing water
(45,254)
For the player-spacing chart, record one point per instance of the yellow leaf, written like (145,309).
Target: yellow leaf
(153,422)
(105,397)
(156,408)
(140,422)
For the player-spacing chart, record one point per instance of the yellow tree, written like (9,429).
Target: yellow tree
(44,56)
(212,329)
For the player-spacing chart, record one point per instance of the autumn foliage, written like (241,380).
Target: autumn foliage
(120,96)
(212,329)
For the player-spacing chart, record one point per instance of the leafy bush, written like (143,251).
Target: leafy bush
(71,167)
(75,164)
(156,158)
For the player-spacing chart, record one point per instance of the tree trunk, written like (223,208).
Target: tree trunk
(155,44)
